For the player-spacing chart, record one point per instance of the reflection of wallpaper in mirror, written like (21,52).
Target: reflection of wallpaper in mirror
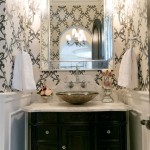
(66,16)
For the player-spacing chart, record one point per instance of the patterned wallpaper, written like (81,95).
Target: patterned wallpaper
(138,29)
(2,46)
(13,27)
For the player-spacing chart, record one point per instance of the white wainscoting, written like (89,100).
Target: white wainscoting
(17,130)
(11,118)
(139,136)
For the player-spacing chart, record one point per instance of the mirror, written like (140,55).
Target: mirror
(57,23)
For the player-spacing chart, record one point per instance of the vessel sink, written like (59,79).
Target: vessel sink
(77,97)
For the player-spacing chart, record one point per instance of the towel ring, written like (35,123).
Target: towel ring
(129,40)
(18,40)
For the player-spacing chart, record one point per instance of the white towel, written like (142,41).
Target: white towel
(128,72)
(23,79)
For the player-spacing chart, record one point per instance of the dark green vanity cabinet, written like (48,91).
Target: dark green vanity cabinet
(77,130)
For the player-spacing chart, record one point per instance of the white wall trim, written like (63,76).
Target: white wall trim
(13,96)
(138,100)
(10,104)
(10,116)
(137,95)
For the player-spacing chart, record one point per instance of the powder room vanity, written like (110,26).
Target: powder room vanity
(90,128)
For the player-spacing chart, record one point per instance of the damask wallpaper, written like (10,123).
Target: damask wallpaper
(2,46)
(14,27)
(135,29)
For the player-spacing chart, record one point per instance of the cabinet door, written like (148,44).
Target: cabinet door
(111,137)
(77,137)
(45,133)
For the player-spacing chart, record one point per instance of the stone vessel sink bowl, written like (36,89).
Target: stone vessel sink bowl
(77,97)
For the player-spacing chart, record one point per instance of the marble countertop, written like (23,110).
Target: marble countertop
(66,107)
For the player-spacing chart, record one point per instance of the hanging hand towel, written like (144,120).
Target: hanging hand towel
(17,74)
(128,72)
(23,79)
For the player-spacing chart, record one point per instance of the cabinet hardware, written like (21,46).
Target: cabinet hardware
(47,132)
(63,147)
(70,85)
(108,131)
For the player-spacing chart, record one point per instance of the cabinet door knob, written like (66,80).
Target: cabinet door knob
(108,131)
(46,132)
(64,147)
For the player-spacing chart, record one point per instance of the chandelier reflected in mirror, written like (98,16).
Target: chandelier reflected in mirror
(77,38)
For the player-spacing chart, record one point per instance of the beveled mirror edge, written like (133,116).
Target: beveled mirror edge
(44,47)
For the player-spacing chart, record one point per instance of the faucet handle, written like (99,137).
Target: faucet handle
(83,84)
(70,84)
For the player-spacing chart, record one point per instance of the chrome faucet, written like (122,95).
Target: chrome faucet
(77,74)
(71,84)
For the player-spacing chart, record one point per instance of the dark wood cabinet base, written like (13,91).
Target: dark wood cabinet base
(77,131)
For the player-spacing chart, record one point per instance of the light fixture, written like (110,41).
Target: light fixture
(77,38)
(30,8)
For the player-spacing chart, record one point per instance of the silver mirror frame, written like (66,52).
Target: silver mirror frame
(45,61)
(45,38)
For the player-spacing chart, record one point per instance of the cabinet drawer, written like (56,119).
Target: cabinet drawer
(45,133)
(43,117)
(76,117)
(111,116)
(108,133)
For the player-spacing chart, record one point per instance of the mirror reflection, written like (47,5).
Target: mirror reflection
(74,37)
(74,47)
